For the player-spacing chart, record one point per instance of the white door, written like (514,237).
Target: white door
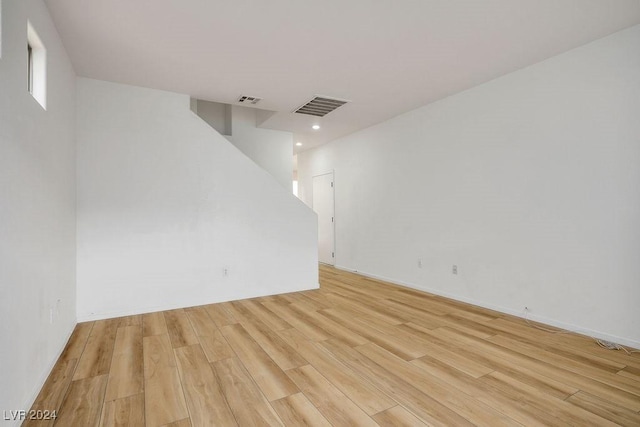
(323,205)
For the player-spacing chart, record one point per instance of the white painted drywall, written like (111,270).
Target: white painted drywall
(530,184)
(217,115)
(166,205)
(270,149)
(37,209)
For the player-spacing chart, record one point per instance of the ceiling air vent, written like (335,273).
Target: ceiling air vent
(320,106)
(249,99)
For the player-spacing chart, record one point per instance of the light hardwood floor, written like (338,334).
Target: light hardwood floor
(355,352)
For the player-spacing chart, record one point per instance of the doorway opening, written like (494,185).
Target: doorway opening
(324,207)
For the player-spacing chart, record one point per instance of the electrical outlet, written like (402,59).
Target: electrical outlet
(419,263)
(454,269)
(225,272)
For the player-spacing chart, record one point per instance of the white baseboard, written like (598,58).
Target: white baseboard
(506,310)
(88,317)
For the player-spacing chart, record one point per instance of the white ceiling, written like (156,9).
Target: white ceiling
(386,56)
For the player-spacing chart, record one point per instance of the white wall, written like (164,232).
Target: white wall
(166,204)
(529,183)
(270,149)
(217,115)
(37,208)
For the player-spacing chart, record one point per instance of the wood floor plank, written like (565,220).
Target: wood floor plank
(424,406)
(401,346)
(472,328)
(455,359)
(154,324)
(96,357)
(560,409)
(580,382)
(213,343)
(269,377)
(350,304)
(287,314)
(419,316)
(462,322)
(333,329)
(125,412)
(317,296)
(571,365)
(215,346)
(200,321)
(497,361)
(287,298)
(397,417)
(126,376)
(181,423)
(77,341)
(83,403)
(465,405)
(164,400)
(443,306)
(277,299)
(245,399)
(519,411)
(425,306)
(296,410)
(239,312)
(356,351)
(459,306)
(281,352)
(205,401)
(355,387)
(420,312)
(548,342)
(354,290)
(605,409)
(179,327)
(628,375)
(220,314)
(53,392)
(265,315)
(330,401)
(630,372)
(133,320)
(311,304)
(575,343)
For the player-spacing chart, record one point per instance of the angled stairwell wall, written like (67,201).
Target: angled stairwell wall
(170,214)
(270,149)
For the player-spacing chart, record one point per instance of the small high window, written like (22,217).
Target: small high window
(36,67)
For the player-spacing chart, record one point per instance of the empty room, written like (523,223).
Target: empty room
(330,213)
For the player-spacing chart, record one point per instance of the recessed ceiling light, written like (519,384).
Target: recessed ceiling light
(315,127)
(299,144)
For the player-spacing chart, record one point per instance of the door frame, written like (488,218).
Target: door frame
(333,189)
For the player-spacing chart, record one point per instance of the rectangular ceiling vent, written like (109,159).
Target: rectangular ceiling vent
(320,106)
(249,99)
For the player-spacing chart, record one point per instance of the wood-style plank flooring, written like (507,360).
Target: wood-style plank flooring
(357,351)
